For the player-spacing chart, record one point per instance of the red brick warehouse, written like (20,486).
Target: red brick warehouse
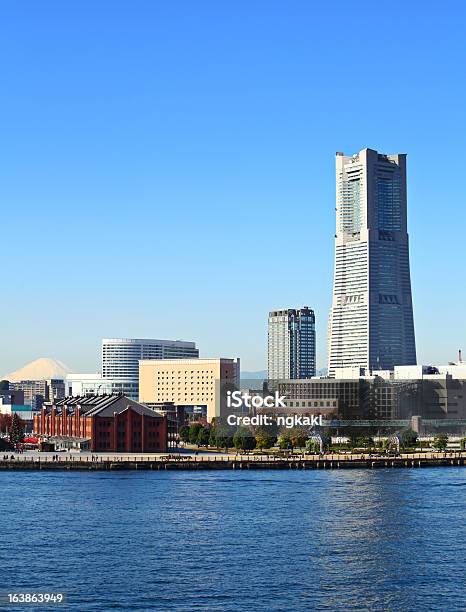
(111,423)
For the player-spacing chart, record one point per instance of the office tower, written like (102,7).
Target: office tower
(291,344)
(198,385)
(371,318)
(120,358)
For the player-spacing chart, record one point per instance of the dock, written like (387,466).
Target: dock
(231,462)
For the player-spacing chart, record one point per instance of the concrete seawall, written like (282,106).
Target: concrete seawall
(235,463)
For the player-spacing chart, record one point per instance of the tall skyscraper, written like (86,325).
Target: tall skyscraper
(120,358)
(291,344)
(371,319)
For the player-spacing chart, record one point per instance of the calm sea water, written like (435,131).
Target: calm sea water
(229,541)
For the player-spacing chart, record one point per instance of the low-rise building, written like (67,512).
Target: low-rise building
(196,384)
(111,423)
(325,396)
(96,384)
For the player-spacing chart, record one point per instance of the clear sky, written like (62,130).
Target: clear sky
(167,167)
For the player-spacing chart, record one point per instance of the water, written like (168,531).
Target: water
(382,540)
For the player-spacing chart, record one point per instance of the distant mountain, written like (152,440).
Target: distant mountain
(40,369)
(259,374)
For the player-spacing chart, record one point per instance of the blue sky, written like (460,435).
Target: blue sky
(167,168)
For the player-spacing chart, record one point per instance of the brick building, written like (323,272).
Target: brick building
(110,423)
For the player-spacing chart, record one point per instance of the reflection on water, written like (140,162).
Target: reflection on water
(267,540)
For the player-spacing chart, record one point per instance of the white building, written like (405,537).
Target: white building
(96,384)
(371,318)
(120,358)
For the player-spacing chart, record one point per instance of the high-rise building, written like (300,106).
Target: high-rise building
(371,319)
(291,344)
(120,358)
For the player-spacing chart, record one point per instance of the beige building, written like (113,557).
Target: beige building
(192,383)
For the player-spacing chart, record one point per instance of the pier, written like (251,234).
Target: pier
(228,462)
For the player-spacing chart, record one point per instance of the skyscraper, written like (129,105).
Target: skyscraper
(291,344)
(120,358)
(371,319)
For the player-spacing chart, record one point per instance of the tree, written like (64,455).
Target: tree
(284,441)
(183,432)
(386,444)
(224,440)
(462,444)
(194,432)
(244,439)
(203,436)
(364,442)
(264,440)
(440,441)
(220,434)
(16,430)
(213,436)
(312,446)
(298,437)
(409,437)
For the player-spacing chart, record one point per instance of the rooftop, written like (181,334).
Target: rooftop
(99,405)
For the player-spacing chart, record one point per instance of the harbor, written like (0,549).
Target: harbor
(221,461)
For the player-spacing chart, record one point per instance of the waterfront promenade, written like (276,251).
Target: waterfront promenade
(223,461)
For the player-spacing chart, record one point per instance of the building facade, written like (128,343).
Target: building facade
(371,318)
(96,384)
(36,392)
(112,423)
(120,358)
(195,384)
(291,350)
(326,395)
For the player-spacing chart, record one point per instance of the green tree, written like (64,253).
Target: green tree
(194,432)
(203,436)
(264,440)
(298,437)
(220,434)
(440,442)
(213,437)
(16,430)
(462,444)
(312,446)
(409,437)
(364,442)
(183,432)
(224,440)
(244,439)
(284,441)
(386,443)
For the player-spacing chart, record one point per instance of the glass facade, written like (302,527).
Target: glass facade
(291,344)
